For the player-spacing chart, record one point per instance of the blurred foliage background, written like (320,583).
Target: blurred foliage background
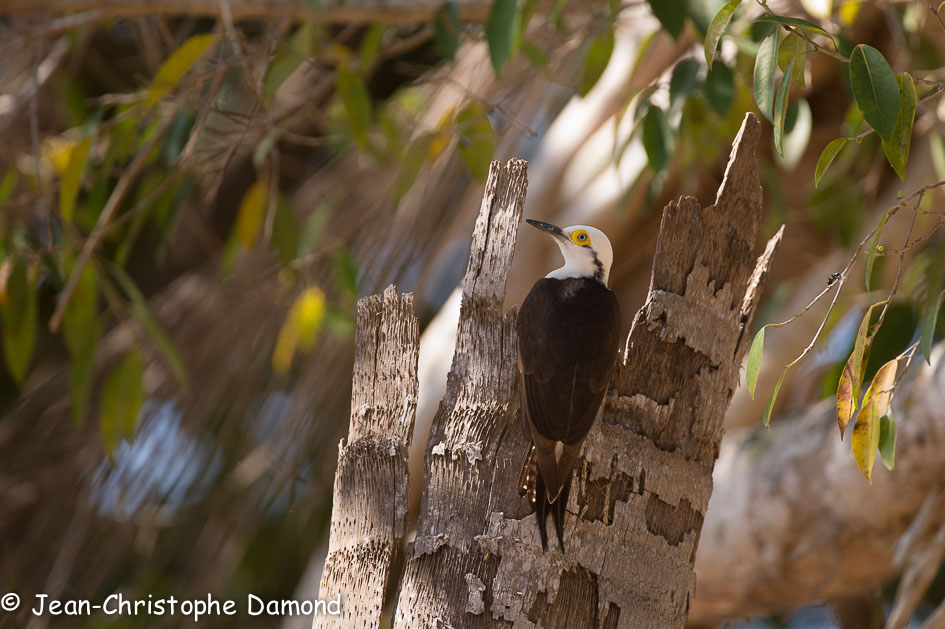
(193,201)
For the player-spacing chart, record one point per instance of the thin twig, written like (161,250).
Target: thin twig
(925,99)
(111,206)
(902,255)
(936,14)
(839,283)
(800,314)
(823,323)
(800,33)
(925,236)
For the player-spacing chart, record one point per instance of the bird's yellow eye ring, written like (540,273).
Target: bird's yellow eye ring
(580,237)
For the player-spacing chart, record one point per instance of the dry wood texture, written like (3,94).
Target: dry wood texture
(476,448)
(644,483)
(370,497)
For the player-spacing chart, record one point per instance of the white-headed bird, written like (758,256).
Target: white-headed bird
(568,333)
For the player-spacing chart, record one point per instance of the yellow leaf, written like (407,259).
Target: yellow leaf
(849,10)
(251,214)
(72,177)
(865,440)
(56,151)
(300,329)
(437,146)
(846,402)
(881,390)
(310,312)
(176,66)
(443,135)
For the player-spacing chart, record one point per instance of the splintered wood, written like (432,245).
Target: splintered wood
(370,497)
(644,481)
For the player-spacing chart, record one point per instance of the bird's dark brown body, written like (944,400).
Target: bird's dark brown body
(568,334)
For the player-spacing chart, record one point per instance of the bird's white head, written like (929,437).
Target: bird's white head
(586,250)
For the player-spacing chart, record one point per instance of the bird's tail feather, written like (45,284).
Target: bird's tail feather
(533,488)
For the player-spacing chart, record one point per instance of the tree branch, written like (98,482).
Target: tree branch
(347,11)
(792,519)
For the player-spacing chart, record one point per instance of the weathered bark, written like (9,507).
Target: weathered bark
(645,480)
(370,497)
(793,519)
(476,449)
(646,475)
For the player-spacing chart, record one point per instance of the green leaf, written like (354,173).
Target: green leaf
(143,315)
(8,184)
(285,232)
(897,148)
(928,327)
(535,54)
(887,441)
(827,157)
(283,65)
(720,88)
(72,178)
(81,313)
(717,27)
(754,361)
(502,32)
(766,419)
(657,138)
(596,59)
(446,29)
(875,89)
(81,331)
(176,66)
(357,104)
(554,16)
(20,321)
(793,48)
(80,376)
(871,253)
(476,139)
(683,81)
(122,397)
(766,63)
(671,14)
(370,45)
(414,159)
(793,21)
(781,107)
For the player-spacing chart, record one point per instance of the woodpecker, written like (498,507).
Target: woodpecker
(568,329)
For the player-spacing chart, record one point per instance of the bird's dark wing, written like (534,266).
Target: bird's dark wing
(567,344)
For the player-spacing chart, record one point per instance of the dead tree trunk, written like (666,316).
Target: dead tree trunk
(646,476)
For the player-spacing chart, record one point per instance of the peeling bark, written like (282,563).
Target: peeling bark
(644,482)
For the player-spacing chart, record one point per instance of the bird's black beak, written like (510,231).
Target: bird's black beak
(547,227)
